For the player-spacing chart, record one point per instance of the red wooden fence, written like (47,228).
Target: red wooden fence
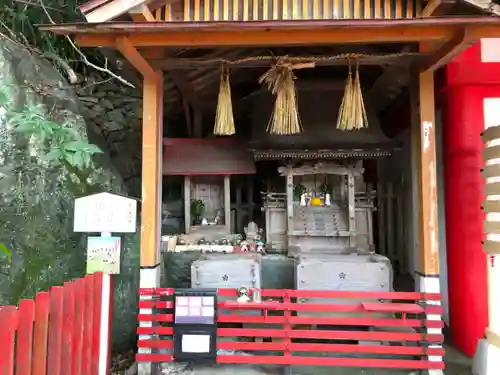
(391,329)
(56,333)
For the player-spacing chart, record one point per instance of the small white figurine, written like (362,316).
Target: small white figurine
(303,199)
(328,199)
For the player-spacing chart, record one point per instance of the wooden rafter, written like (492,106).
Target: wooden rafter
(113,9)
(436,8)
(449,50)
(142,13)
(135,58)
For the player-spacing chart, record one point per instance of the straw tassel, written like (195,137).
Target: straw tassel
(224,119)
(352,111)
(280,81)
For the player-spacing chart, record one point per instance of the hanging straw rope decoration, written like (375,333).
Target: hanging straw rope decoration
(280,81)
(224,119)
(352,112)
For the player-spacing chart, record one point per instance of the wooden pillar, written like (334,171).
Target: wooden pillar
(428,265)
(152,135)
(428,249)
(152,157)
(187,204)
(227,202)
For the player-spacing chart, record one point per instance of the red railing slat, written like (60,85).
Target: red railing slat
(56,333)
(24,355)
(88,325)
(78,328)
(41,332)
(8,326)
(326,361)
(55,330)
(67,328)
(404,316)
(97,278)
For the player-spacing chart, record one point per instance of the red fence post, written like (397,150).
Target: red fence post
(55,330)
(97,277)
(78,328)
(8,326)
(24,352)
(41,329)
(67,328)
(89,324)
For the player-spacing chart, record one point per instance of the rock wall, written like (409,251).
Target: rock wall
(37,192)
(113,114)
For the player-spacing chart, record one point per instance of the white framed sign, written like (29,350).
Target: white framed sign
(105,213)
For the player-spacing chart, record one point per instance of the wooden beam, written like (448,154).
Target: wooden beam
(275,37)
(142,13)
(134,57)
(152,156)
(435,8)
(448,51)
(428,242)
(113,9)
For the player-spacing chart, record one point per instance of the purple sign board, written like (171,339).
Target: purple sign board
(194,310)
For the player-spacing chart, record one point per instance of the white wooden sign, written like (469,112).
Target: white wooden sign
(105,213)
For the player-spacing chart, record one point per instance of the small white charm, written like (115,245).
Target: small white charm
(303,199)
(327,199)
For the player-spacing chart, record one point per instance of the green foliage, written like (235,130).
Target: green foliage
(46,164)
(19,20)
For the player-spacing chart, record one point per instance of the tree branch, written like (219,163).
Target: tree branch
(83,56)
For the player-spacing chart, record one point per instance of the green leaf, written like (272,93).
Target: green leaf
(5,251)
(54,154)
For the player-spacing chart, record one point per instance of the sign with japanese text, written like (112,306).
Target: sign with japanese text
(103,255)
(105,213)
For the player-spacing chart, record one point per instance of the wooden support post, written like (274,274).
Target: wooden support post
(152,135)
(250,186)
(239,209)
(382,249)
(429,249)
(391,253)
(402,251)
(227,203)
(428,257)
(187,204)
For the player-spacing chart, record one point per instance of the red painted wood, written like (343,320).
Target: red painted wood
(392,307)
(78,328)
(55,331)
(89,326)
(8,327)
(331,335)
(283,336)
(41,332)
(303,347)
(67,328)
(24,352)
(96,331)
(223,292)
(468,82)
(110,320)
(325,361)
(153,357)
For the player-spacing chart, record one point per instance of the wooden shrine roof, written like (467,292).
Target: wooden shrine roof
(217,156)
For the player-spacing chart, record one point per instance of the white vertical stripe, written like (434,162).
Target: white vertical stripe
(104,324)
